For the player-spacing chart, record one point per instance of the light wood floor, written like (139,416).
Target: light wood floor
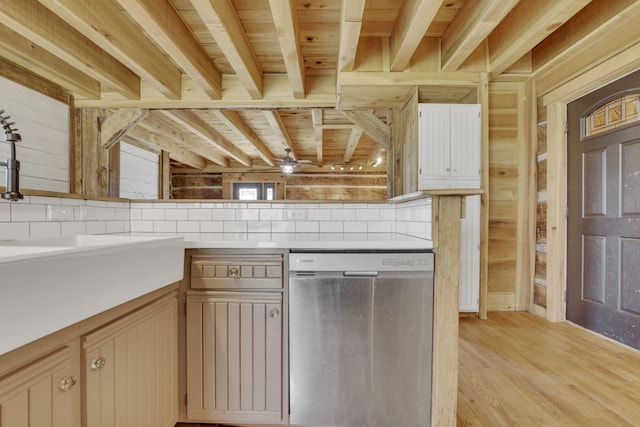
(517,369)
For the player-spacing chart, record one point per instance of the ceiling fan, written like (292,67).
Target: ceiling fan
(288,164)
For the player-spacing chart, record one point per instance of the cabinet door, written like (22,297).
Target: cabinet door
(434,153)
(43,394)
(131,369)
(235,358)
(465,145)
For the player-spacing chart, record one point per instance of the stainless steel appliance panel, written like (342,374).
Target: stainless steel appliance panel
(360,348)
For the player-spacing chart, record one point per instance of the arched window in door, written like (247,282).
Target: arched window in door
(619,112)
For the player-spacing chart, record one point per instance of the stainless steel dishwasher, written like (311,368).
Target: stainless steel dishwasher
(361,332)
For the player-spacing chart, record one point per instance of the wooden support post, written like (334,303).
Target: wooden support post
(100,167)
(165,175)
(446,225)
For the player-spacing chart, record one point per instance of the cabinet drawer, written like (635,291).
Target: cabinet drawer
(236,272)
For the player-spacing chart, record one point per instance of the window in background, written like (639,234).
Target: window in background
(254,191)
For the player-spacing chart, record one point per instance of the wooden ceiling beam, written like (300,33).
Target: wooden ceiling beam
(279,129)
(236,123)
(352,144)
(412,23)
(599,31)
(104,24)
(177,151)
(164,25)
(45,29)
(526,26)
(286,20)
(117,123)
(372,126)
(29,56)
(471,26)
(190,120)
(351,13)
(223,23)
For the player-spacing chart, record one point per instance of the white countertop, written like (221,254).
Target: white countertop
(319,241)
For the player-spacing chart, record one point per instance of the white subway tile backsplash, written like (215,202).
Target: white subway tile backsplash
(247,214)
(197,214)
(178,214)
(165,226)
(14,230)
(152,214)
(307,227)
(5,212)
(188,226)
(44,230)
(271,214)
(211,226)
(28,218)
(26,212)
(259,226)
(96,227)
(283,226)
(235,226)
(74,228)
(331,227)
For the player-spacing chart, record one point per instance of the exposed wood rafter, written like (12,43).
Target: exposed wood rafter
(274,120)
(163,24)
(286,22)
(117,123)
(38,24)
(350,27)
(354,139)
(222,22)
(412,23)
(104,24)
(526,26)
(473,23)
(373,126)
(195,124)
(235,122)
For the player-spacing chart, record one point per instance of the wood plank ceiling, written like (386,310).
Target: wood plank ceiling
(229,84)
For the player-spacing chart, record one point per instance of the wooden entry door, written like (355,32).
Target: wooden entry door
(603,237)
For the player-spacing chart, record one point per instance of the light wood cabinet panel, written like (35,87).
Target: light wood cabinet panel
(45,393)
(235,364)
(130,368)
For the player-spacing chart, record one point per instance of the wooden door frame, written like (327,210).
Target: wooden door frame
(556,101)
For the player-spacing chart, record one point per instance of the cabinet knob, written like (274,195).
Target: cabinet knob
(274,314)
(97,363)
(234,272)
(68,383)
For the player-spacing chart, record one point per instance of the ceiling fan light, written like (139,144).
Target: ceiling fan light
(287,168)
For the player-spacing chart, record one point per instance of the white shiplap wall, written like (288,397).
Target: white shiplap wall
(139,170)
(43,124)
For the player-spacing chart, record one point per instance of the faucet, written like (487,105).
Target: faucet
(12,187)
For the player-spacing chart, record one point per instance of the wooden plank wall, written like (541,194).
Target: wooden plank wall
(360,186)
(503,195)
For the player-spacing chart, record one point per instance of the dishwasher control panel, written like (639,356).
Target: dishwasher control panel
(361,261)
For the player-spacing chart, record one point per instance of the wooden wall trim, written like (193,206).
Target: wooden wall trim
(556,206)
(483,100)
(526,234)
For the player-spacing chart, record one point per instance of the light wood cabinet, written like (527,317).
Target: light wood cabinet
(236,359)
(130,369)
(45,393)
(449,141)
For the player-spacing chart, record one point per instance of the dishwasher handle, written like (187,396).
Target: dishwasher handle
(360,274)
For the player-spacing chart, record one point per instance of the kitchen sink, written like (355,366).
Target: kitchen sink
(49,284)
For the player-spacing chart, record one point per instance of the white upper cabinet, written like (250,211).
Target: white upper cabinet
(449,146)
